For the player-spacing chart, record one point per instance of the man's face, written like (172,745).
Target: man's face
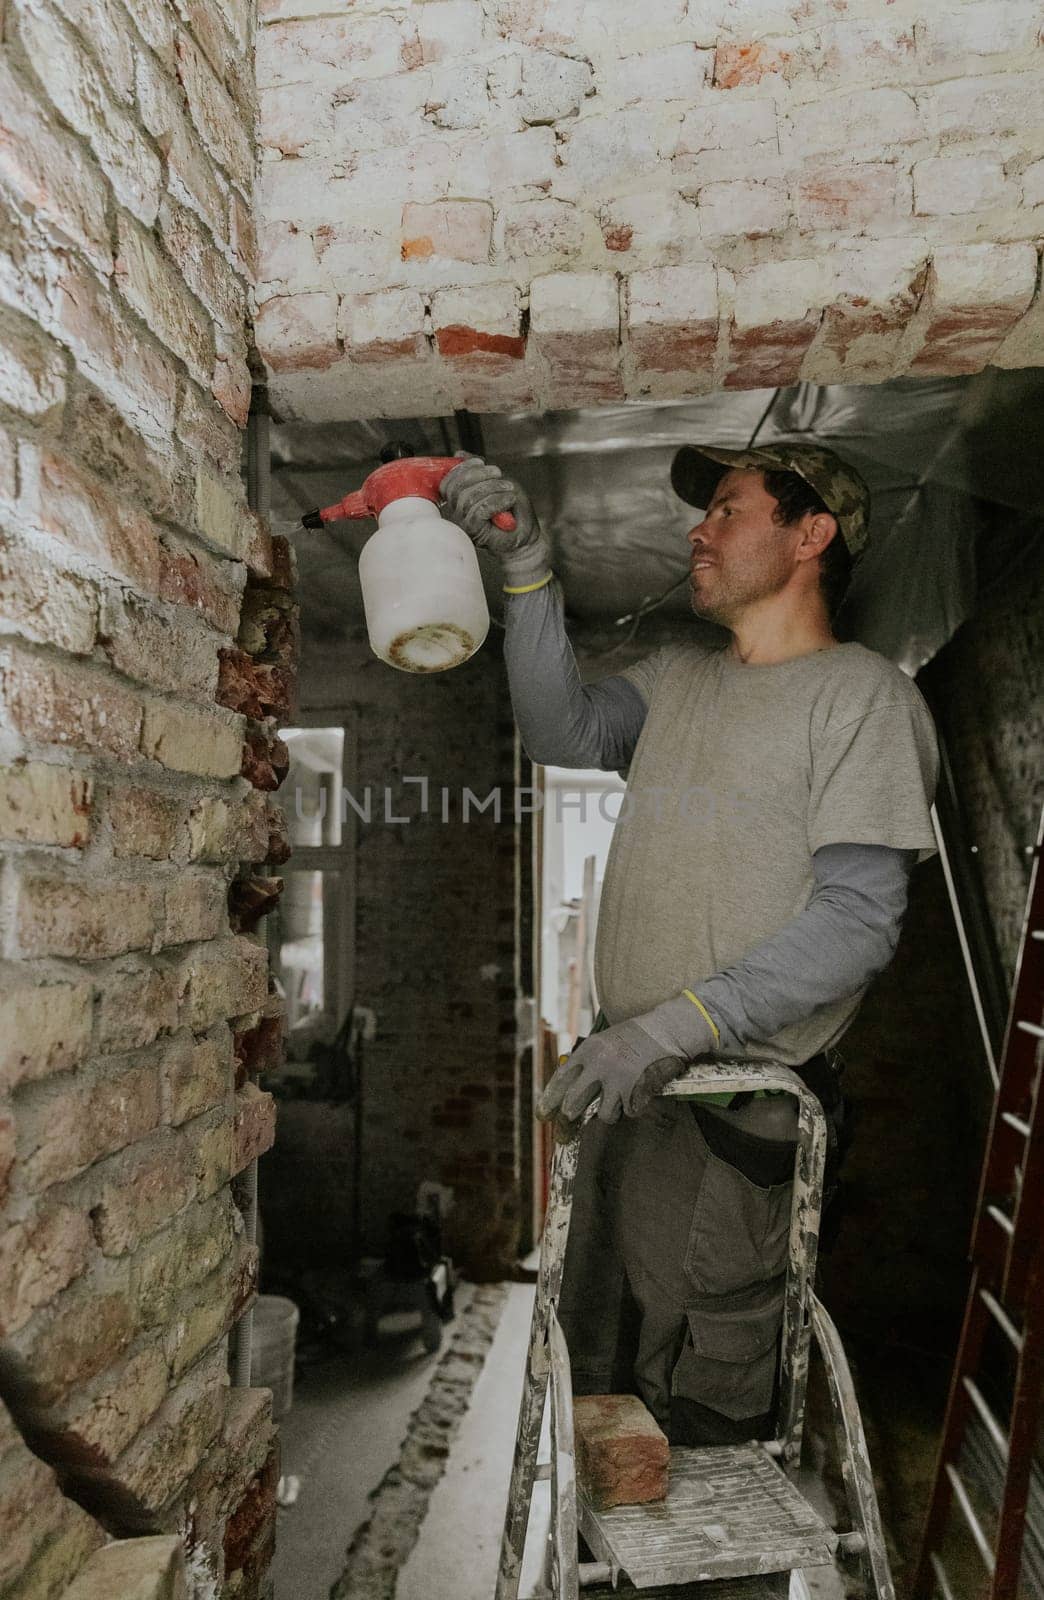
(739,555)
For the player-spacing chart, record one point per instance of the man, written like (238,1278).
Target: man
(779,792)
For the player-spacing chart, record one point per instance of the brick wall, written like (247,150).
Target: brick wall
(509,203)
(434,958)
(126,550)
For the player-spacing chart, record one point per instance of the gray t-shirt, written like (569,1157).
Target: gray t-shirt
(741,772)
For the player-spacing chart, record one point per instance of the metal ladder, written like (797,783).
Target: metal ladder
(1005,1300)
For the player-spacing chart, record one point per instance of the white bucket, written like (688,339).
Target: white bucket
(272,1349)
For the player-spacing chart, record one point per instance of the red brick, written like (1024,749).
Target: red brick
(257,689)
(56,702)
(622,1456)
(45,804)
(250,899)
(265,759)
(63,917)
(38,1257)
(260,1048)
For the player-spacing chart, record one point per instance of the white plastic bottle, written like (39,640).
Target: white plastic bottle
(422,590)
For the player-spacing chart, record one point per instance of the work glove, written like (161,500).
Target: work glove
(627,1064)
(473,493)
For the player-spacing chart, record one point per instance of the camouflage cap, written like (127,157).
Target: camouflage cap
(697,470)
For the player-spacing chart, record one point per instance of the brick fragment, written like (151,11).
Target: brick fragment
(265,759)
(259,1048)
(257,689)
(622,1456)
(45,805)
(253,1131)
(250,899)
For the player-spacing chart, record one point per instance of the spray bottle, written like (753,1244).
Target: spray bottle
(422,590)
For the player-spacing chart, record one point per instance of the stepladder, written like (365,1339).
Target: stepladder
(988,1480)
(734,1524)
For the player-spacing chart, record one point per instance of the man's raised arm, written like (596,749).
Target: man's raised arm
(562,722)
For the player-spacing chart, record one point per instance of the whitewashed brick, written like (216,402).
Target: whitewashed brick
(536,229)
(50,171)
(328,49)
(955,185)
(742,207)
(866,51)
(386,326)
(32,369)
(458,97)
(553,86)
(601,153)
(448,29)
(865,123)
(297,331)
(1004,104)
(1033,184)
(674,72)
(77,90)
(956,39)
(976,293)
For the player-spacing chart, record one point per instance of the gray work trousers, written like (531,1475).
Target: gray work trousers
(674,1276)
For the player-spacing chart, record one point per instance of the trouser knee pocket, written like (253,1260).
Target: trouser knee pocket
(728,1361)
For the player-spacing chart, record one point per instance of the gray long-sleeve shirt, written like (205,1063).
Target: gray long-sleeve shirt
(848,930)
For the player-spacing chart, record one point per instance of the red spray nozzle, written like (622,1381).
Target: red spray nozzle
(417,476)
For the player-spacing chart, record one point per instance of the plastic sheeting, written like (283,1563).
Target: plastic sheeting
(944,459)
